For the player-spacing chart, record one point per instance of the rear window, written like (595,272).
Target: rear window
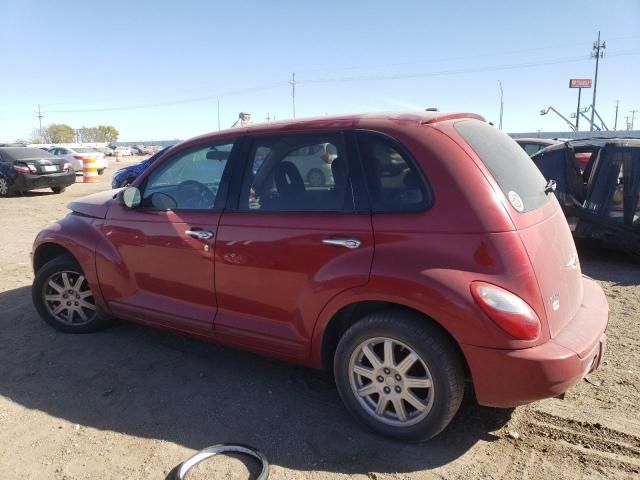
(21,153)
(514,172)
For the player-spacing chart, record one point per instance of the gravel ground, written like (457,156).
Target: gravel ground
(133,402)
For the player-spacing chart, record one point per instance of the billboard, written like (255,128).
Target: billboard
(580,83)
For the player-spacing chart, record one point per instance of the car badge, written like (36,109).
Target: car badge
(515,200)
(554,300)
(573,262)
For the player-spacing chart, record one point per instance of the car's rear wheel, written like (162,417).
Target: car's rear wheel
(399,374)
(5,189)
(58,189)
(100,171)
(63,297)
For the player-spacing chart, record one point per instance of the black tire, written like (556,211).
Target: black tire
(126,182)
(316,177)
(58,189)
(63,263)
(5,187)
(100,171)
(435,350)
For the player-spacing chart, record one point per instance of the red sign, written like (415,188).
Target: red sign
(580,83)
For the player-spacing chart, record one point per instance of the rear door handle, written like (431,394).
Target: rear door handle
(199,234)
(343,242)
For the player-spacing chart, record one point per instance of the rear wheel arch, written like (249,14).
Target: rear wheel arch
(350,314)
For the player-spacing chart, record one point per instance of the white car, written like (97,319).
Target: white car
(124,151)
(75,155)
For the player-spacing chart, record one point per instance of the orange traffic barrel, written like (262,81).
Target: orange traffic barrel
(89,170)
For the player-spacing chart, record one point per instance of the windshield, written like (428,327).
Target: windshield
(512,169)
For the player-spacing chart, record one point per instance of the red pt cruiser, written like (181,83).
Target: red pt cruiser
(435,253)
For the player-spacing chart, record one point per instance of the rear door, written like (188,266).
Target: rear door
(287,245)
(536,215)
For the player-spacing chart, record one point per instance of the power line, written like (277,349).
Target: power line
(581,58)
(174,102)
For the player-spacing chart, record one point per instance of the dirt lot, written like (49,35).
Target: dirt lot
(132,402)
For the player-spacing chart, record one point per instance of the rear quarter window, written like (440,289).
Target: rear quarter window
(512,169)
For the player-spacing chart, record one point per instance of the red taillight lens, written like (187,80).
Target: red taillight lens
(78,157)
(67,166)
(21,168)
(509,311)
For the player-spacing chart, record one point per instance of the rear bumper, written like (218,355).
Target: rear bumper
(31,182)
(508,378)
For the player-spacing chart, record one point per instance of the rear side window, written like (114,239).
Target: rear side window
(394,182)
(513,170)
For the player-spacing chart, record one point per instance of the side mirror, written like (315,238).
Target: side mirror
(130,197)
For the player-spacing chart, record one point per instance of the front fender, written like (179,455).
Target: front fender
(79,235)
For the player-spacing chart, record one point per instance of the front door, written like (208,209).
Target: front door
(290,244)
(157,264)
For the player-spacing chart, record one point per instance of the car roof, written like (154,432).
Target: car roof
(345,121)
(597,142)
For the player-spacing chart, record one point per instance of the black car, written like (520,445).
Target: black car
(24,168)
(601,200)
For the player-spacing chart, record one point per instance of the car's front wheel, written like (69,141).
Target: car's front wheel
(63,297)
(399,374)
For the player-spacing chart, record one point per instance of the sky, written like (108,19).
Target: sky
(157,69)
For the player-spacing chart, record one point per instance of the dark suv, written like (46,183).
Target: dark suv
(433,254)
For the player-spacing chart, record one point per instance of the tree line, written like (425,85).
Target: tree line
(62,133)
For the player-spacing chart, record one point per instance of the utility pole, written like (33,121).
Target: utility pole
(501,104)
(293,92)
(626,119)
(633,117)
(598,54)
(615,124)
(39,114)
(218,114)
(268,118)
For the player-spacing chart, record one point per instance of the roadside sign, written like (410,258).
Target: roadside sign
(580,83)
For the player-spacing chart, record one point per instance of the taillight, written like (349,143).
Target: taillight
(32,168)
(507,310)
(67,166)
(21,168)
(78,157)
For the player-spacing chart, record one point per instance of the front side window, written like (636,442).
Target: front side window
(298,173)
(394,182)
(190,179)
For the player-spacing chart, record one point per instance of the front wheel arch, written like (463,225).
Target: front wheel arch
(47,252)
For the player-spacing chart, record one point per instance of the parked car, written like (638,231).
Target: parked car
(534,145)
(124,151)
(314,163)
(25,168)
(137,150)
(76,156)
(125,176)
(463,283)
(108,152)
(600,199)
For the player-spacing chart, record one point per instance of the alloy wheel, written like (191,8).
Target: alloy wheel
(69,299)
(391,382)
(4,186)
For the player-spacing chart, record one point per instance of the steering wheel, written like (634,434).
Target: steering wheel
(193,194)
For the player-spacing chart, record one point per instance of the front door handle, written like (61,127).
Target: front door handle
(343,242)
(199,234)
